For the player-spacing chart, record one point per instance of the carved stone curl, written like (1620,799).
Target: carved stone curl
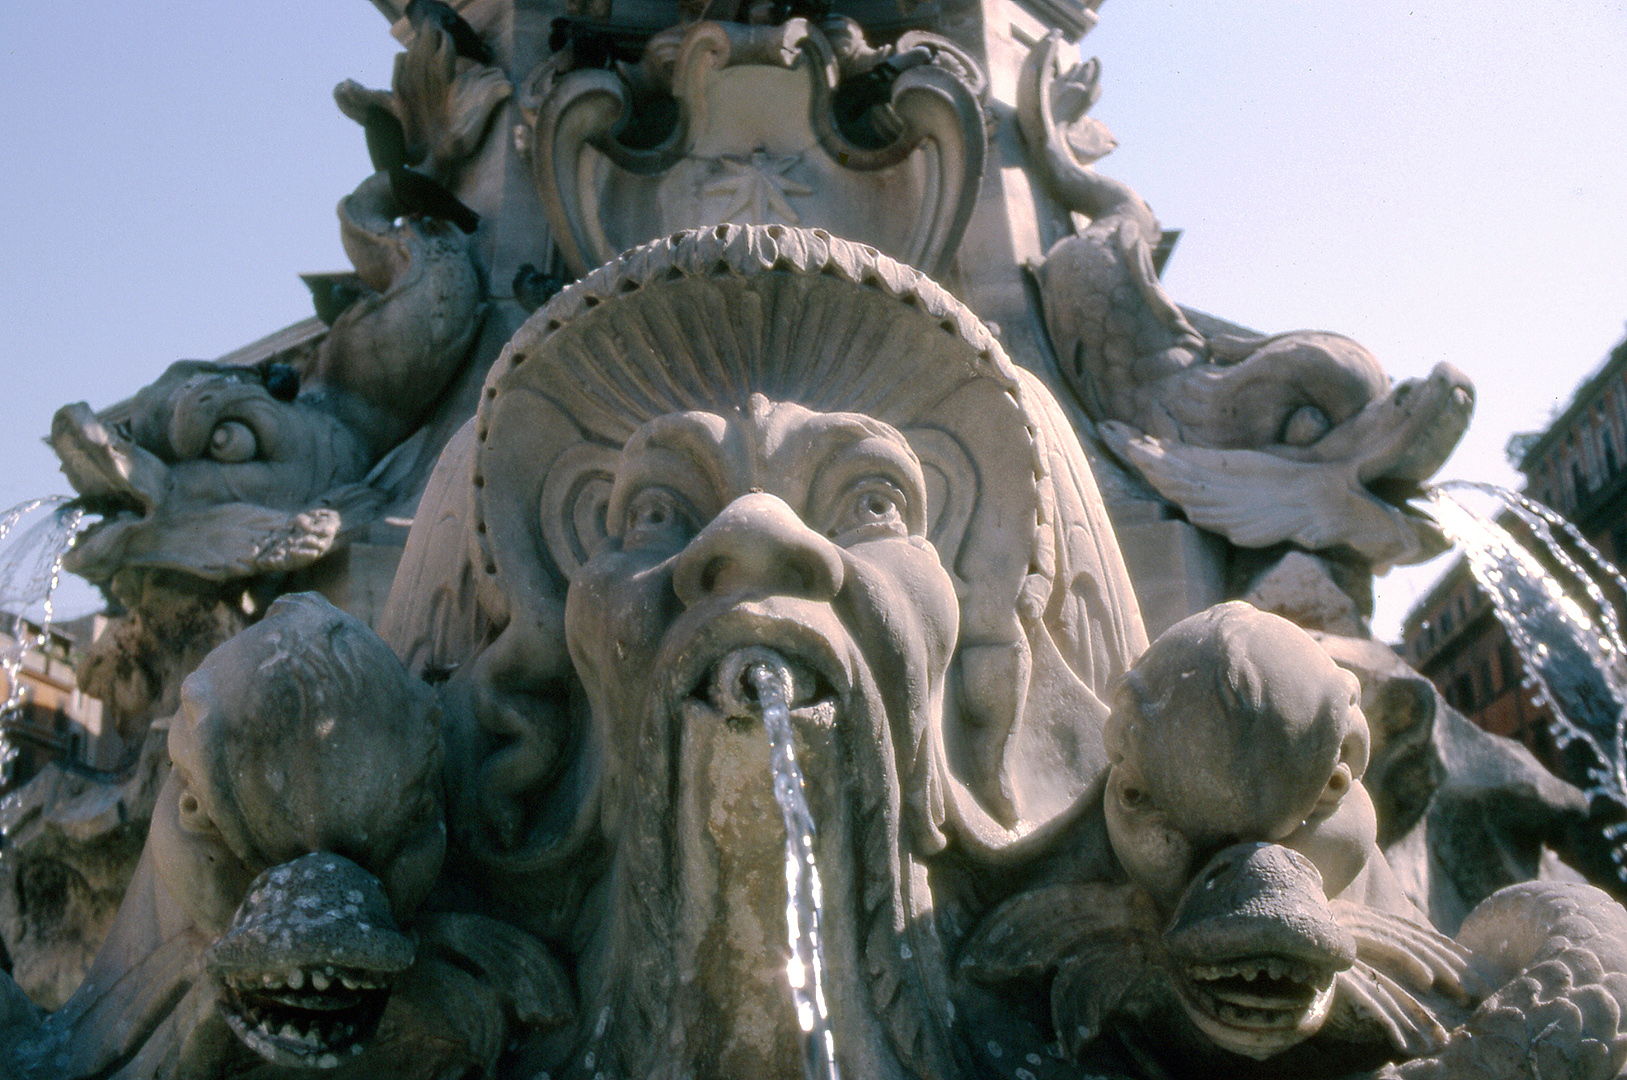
(793,124)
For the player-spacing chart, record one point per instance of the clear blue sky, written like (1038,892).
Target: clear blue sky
(1442,182)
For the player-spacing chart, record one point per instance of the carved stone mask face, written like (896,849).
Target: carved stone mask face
(624,421)
(782,527)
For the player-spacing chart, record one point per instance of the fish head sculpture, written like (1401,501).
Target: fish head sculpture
(302,821)
(1234,800)
(210,474)
(1256,930)
(1236,726)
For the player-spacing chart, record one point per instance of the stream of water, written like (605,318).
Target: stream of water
(804,904)
(30,570)
(1558,618)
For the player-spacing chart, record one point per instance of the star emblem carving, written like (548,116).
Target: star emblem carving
(755,189)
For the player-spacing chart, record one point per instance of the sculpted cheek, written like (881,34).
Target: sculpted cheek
(908,598)
(616,613)
(1155,855)
(198,870)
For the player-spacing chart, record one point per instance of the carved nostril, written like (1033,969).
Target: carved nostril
(758,545)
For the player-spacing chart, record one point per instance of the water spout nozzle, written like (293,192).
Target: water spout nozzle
(749,679)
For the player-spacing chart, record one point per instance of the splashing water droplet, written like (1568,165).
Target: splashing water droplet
(1549,599)
(30,570)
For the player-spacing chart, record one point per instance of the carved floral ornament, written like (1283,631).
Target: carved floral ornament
(793,124)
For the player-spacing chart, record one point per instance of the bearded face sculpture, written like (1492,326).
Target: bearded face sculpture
(740,443)
(774,528)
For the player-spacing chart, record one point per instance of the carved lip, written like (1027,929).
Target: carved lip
(806,635)
(1256,950)
(306,966)
(110,473)
(305,1016)
(115,478)
(729,689)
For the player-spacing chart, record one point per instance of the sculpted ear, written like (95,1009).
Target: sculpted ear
(574,498)
(951,492)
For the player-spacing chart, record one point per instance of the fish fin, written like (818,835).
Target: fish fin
(1256,499)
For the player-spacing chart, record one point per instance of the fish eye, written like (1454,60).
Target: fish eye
(1126,786)
(656,517)
(233,441)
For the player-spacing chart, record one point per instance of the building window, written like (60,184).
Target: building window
(1446,624)
(1510,670)
(1487,690)
(1463,686)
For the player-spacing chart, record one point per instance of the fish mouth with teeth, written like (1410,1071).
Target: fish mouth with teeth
(306,967)
(305,1016)
(1254,951)
(1248,1003)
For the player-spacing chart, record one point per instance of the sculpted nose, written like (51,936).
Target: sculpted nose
(758,545)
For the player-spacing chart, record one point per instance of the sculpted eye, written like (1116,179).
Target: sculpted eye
(1133,797)
(233,441)
(657,517)
(875,506)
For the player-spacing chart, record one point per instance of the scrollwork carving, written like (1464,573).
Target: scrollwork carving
(772,125)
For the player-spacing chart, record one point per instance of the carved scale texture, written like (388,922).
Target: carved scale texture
(1560,1017)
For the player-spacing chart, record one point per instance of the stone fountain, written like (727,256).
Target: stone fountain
(798,446)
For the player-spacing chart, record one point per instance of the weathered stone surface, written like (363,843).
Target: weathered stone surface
(904,556)
(791,123)
(759,621)
(1261,932)
(1462,813)
(1300,589)
(246,935)
(72,843)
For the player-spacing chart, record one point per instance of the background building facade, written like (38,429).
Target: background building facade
(1577,466)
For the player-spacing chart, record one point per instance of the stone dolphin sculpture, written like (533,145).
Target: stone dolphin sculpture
(224,472)
(274,919)
(1231,428)
(1259,932)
